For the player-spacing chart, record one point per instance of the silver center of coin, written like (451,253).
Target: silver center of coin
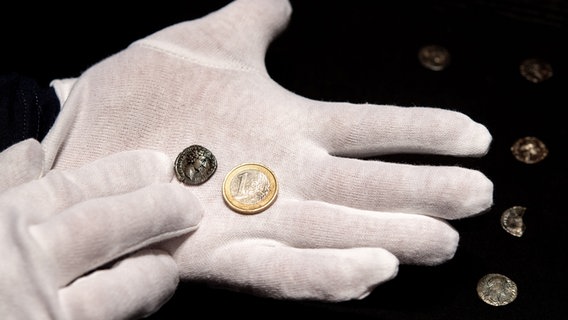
(250,187)
(195,165)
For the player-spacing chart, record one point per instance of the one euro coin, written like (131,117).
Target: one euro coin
(250,188)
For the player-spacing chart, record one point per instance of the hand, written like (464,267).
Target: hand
(340,225)
(75,244)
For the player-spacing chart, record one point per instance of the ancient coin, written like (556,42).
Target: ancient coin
(512,220)
(250,188)
(536,70)
(195,165)
(529,150)
(496,289)
(434,57)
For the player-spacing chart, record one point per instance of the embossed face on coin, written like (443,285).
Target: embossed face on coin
(250,188)
(512,220)
(195,165)
(529,150)
(496,289)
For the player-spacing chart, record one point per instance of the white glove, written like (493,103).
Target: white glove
(340,225)
(70,240)
(22,162)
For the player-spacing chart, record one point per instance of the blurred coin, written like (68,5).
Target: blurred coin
(529,150)
(195,165)
(250,188)
(496,289)
(535,70)
(434,57)
(512,220)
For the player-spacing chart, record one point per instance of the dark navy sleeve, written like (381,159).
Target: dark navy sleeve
(27,110)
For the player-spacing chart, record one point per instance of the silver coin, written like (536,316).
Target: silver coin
(512,220)
(195,165)
(496,289)
(536,70)
(529,150)
(434,57)
(250,186)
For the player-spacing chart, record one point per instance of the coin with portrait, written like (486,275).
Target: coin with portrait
(496,289)
(195,165)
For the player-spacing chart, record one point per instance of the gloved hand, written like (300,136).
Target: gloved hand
(70,240)
(340,225)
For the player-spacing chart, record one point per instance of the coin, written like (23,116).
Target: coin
(496,289)
(250,188)
(529,150)
(535,70)
(434,57)
(195,165)
(512,220)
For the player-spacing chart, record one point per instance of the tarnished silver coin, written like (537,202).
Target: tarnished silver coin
(434,57)
(496,289)
(195,165)
(536,70)
(529,150)
(250,188)
(512,220)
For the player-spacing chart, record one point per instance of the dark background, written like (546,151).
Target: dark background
(366,51)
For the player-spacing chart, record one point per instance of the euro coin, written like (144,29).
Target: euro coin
(250,188)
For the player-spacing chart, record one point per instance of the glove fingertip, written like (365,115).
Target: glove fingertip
(484,199)
(481,140)
(384,267)
(448,240)
(187,206)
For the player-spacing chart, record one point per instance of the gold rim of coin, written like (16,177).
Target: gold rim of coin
(496,289)
(250,188)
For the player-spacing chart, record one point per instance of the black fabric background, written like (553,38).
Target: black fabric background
(366,52)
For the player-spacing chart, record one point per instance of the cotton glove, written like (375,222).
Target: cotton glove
(340,224)
(21,163)
(70,240)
